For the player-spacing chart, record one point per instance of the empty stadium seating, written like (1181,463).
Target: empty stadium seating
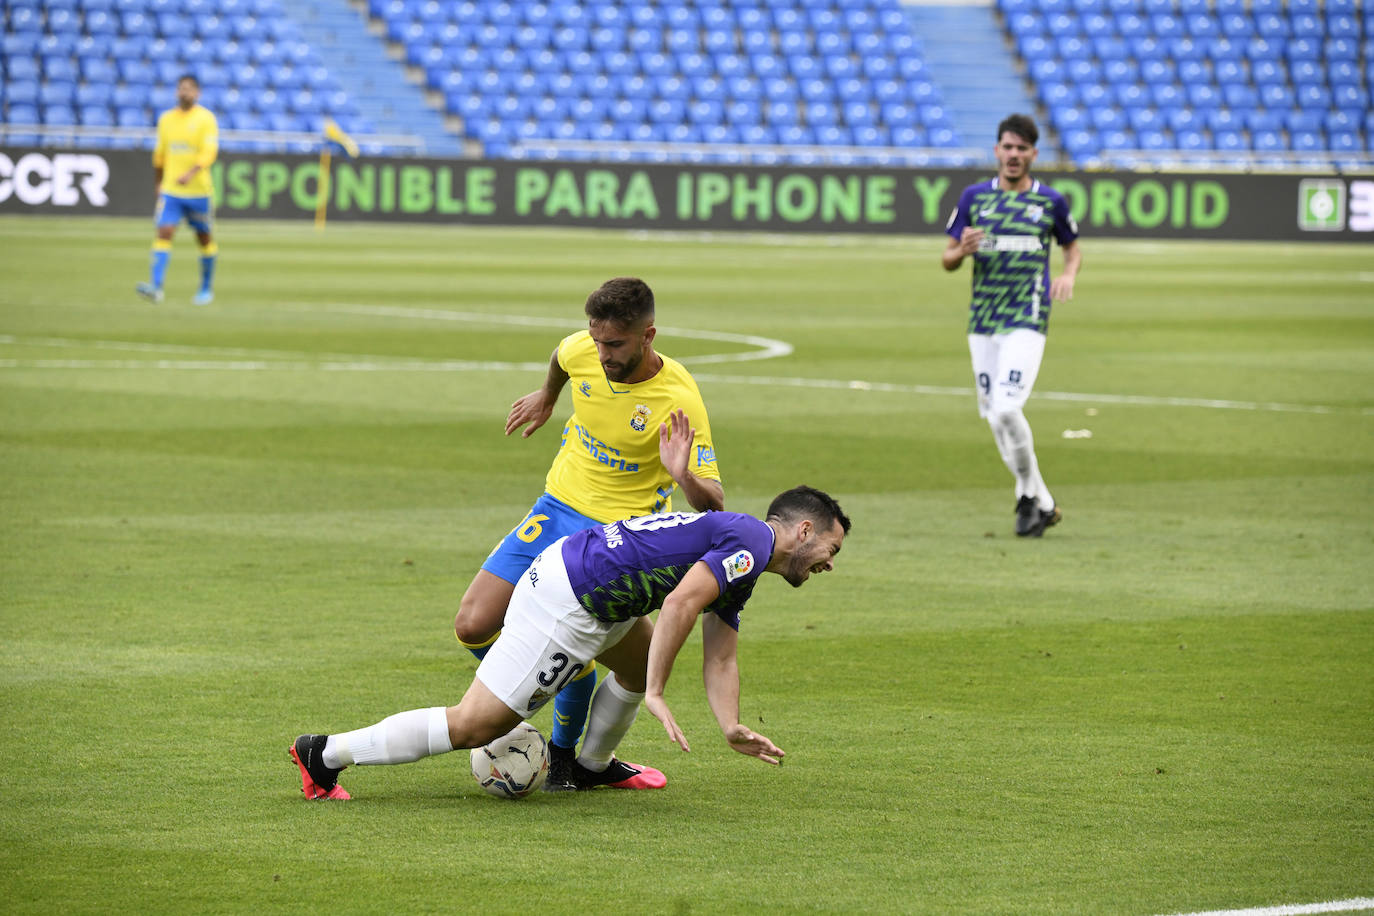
(115,64)
(1225,82)
(1230,82)
(766,81)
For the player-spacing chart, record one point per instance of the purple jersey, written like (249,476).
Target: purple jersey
(626,569)
(1011,271)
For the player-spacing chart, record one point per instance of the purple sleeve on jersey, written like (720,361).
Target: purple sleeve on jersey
(958,220)
(1065,226)
(737,558)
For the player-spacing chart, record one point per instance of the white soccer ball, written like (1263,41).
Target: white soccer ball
(513,765)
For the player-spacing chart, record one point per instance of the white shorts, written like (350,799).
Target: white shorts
(1005,367)
(547,640)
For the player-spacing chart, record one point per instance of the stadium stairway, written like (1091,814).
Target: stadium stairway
(375,82)
(966,49)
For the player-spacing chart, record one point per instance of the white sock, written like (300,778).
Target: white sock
(403,738)
(999,435)
(612,713)
(1017,445)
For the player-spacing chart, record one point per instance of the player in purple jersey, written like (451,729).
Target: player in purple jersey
(587,597)
(1007,225)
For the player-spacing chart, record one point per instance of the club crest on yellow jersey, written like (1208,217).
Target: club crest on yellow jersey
(586,389)
(640,421)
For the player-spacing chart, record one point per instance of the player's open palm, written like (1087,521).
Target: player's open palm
(659,708)
(753,744)
(534,409)
(675,443)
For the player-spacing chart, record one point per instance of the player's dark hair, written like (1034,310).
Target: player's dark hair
(807,502)
(1021,125)
(626,301)
(188,76)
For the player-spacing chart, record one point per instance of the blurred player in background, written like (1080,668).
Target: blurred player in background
(589,596)
(187,144)
(638,431)
(1006,225)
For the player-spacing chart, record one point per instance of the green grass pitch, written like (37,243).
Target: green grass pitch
(224,526)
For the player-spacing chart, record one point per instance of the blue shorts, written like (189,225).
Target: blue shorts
(197,211)
(546,522)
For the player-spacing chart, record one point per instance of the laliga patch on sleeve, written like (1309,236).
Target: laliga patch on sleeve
(738,565)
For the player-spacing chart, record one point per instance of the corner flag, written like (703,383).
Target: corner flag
(335,135)
(334,138)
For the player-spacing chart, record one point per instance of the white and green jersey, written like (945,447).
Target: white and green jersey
(1011,270)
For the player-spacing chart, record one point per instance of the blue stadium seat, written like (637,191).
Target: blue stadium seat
(1058,93)
(1080,143)
(56,93)
(21,69)
(1118,140)
(1133,25)
(1273,26)
(1231,74)
(1314,97)
(1154,140)
(1306,141)
(1236,26)
(1345,142)
(1334,122)
(21,113)
(1263,49)
(1192,140)
(1348,96)
(1108,119)
(1193,71)
(1202,25)
(60,69)
(1341,49)
(1167,25)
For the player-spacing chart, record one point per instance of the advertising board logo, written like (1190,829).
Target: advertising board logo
(61,180)
(1321,205)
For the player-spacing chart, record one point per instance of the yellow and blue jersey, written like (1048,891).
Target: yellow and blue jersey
(608,465)
(186,139)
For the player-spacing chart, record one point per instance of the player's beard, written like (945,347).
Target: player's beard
(619,372)
(799,568)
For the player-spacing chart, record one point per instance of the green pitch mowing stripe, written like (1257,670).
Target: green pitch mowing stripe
(1161,706)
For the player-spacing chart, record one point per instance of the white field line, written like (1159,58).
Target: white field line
(1353,905)
(242,360)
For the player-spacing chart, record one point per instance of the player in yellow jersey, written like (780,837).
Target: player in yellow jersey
(638,432)
(187,144)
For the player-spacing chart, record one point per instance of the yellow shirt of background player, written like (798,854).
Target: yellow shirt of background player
(608,465)
(186,139)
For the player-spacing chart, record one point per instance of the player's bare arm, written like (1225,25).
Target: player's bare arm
(676,619)
(960,248)
(675,438)
(720,673)
(536,407)
(1061,287)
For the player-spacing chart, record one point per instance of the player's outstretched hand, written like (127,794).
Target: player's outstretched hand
(754,745)
(675,439)
(1061,288)
(662,713)
(534,409)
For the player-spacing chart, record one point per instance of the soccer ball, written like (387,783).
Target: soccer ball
(513,765)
